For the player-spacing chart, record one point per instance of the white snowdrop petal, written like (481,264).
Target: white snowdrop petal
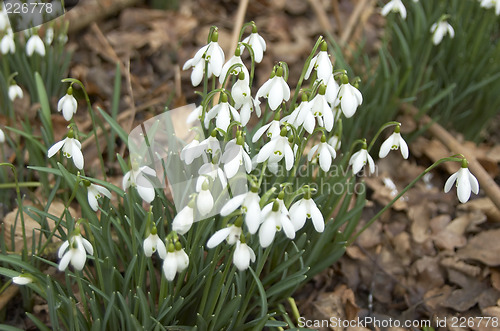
(218,237)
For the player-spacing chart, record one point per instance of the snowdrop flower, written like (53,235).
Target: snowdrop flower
(223,111)
(395,6)
(204,201)
(235,156)
(240,91)
(321,109)
(466,183)
(136,177)
(360,158)
(183,221)
(236,59)
(349,98)
(194,115)
(321,63)
(213,171)
(231,234)
(77,252)
(272,129)
(274,220)
(49,36)
(276,150)
(392,143)
(71,148)
(275,90)
(35,44)
(306,209)
(491,4)
(325,154)
(249,203)
(22,279)
(2,136)
(67,104)
(211,144)
(191,151)
(302,116)
(153,243)
(335,142)
(15,92)
(4,19)
(257,43)
(176,261)
(247,108)
(94,192)
(7,45)
(243,254)
(440,29)
(332,89)
(212,54)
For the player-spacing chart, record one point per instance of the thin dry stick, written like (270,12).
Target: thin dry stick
(336,13)
(322,17)
(485,181)
(353,21)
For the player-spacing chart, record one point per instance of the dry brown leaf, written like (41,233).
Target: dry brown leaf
(452,236)
(31,226)
(436,296)
(453,262)
(335,304)
(484,205)
(495,278)
(420,216)
(484,247)
(429,274)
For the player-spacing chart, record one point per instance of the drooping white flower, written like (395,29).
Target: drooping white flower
(242,256)
(302,116)
(235,156)
(137,178)
(249,203)
(321,109)
(194,115)
(153,243)
(360,158)
(332,89)
(15,91)
(321,63)
(491,4)
(183,221)
(277,149)
(335,142)
(236,59)
(211,144)
(213,171)
(395,6)
(223,111)
(394,142)
(466,183)
(49,36)
(204,200)
(7,45)
(240,91)
(247,108)
(68,105)
(175,262)
(191,151)
(71,148)
(22,279)
(306,209)
(257,43)
(439,30)
(231,234)
(326,154)
(274,220)
(35,44)
(212,54)
(76,254)
(273,129)
(94,192)
(276,90)
(2,136)
(349,98)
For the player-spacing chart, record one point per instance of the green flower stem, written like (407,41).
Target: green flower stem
(389,205)
(23,184)
(293,306)
(94,125)
(20,205)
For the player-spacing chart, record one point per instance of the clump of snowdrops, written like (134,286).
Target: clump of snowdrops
(272,198)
